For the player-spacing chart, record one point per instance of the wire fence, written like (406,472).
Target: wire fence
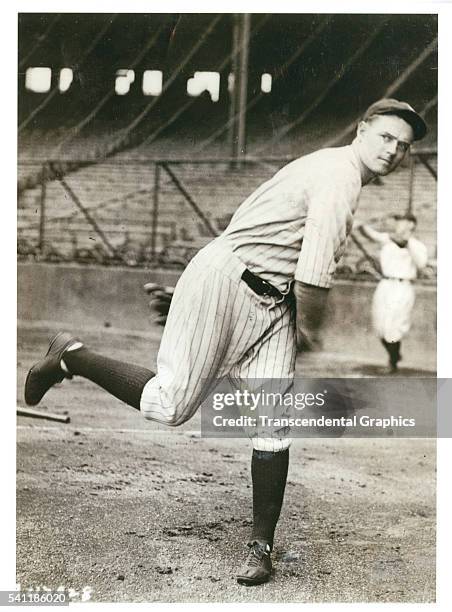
(154,213)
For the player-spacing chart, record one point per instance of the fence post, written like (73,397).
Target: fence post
(242,89)
(42,218)
(155,210)
(233,96)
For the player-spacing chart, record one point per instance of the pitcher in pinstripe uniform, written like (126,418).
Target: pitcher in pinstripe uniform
(248,300)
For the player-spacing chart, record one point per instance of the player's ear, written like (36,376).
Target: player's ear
(361,129)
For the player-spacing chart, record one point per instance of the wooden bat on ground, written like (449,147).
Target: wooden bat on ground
(49,416)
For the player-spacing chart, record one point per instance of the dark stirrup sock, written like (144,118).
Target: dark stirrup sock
(395,353)
(393,349)
(269,475)
(123,380)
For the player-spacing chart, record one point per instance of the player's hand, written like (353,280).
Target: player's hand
(310,311)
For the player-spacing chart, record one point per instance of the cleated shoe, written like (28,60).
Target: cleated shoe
(258,565)
(48,372)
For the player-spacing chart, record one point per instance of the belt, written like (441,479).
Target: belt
(260,286)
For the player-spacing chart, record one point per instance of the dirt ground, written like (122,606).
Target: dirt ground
(142,513)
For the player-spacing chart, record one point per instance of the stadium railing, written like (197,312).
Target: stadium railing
(153,213)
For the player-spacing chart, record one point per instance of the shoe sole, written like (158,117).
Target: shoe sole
(248,581)
(251,582)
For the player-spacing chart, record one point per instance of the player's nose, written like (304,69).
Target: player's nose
(391,148)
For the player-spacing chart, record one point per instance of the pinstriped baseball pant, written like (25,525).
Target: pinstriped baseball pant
(218,327)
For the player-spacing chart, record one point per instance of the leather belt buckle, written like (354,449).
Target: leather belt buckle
(268,289)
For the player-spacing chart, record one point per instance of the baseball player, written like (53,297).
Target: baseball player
(248,300)
(401,257)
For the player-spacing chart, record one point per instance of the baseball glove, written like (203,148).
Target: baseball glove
(160,301)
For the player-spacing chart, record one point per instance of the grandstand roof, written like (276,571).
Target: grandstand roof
(332,65)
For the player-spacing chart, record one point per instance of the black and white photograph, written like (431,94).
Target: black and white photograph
(227,306)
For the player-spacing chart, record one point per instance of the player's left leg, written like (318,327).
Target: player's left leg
(269,476)
(393,349)
(271,366)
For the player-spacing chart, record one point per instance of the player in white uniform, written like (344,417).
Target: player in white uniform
(248,300)
(401,257)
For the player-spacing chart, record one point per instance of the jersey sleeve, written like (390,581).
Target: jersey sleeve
(372,234)
(418,252)
(328,223)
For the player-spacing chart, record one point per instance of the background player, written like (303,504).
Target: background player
(248,300)
(401,257)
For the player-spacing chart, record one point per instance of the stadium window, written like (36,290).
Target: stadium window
(124,79)
(38,79)
(205,81)
(266,82)
(66,76)
(152,82)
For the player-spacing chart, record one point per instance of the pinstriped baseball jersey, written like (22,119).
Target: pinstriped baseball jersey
(295,225)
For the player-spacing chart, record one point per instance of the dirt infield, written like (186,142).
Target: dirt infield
(138,512)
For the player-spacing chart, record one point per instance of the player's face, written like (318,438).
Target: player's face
(383,142)
(404,228)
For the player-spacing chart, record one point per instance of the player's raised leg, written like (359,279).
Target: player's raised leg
(208,330)
(67,356)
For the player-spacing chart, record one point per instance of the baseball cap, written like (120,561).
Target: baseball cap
(408,216)
(390,106)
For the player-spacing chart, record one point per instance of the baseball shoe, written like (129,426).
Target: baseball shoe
(257,567)
(48,372)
